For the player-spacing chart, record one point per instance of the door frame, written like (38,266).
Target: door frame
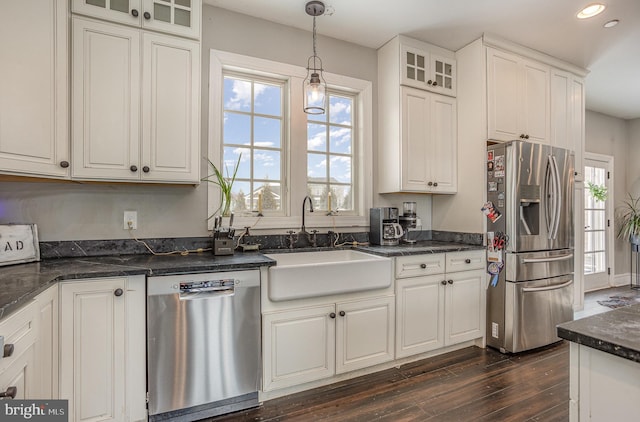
(608,162)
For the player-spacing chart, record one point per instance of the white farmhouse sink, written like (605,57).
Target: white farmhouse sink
(299,275)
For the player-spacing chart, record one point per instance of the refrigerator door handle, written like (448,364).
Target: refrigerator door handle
(550,206)
(550,259)
(547,288)
(558,196)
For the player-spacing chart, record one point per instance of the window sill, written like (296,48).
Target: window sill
(282,224)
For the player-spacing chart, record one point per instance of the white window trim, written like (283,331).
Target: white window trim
(220,60)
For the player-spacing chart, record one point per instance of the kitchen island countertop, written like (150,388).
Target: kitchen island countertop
(616,332)
(22,282)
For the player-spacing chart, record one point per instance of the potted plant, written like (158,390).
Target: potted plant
(225,184)
(598,192)
(629,220)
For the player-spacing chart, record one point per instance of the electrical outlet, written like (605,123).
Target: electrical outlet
(130,220)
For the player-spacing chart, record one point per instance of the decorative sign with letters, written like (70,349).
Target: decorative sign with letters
(18,244)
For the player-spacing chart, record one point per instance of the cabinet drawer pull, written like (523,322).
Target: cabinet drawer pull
(430,184)
(11,392)
(443,282)
(147,15)
(133,168)
(64,164)
(8,350)
(450,281)
(423,266)
(467,261)
(342,313)
(435,184)
(118,292)
(146,169)
(134,13)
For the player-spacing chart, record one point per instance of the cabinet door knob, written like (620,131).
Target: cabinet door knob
(145,169)
(134,13)
(429,82)
(64,164)
(526,136)
(522,136)
(467,261)
(450,281)
(430,184)
(435,184)
(118,292)
(147,15)
(342,313)
(332,315)
(11,392)
(435,83)
(443,282)
(133,168)
(423,266)
(8,350)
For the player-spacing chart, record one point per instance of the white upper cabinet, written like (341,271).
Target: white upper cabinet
(34,99)
(425,145)
(127,130)
(567,115)
(423,66)
(178,17)
(518,95)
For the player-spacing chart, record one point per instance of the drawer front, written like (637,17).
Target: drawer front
(465,260)
(418,265)
(18,329)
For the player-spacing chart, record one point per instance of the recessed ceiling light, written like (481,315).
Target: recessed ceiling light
(591,10)
(611,23)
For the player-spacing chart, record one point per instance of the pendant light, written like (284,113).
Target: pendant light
(314,87)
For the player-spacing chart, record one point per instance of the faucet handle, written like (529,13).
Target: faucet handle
(290,232)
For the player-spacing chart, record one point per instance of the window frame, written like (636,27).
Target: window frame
(283,85)
(295,152)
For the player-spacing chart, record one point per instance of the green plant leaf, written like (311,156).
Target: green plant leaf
(224,183)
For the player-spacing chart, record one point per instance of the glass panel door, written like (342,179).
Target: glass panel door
(596,224)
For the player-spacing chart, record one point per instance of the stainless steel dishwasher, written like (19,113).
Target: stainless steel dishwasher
(203,344)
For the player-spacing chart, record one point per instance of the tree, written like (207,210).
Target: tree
(269,199)
(239,202)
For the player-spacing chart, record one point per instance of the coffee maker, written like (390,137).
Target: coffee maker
(385,227)
(408,220)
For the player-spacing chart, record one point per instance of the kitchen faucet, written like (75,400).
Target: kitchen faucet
(303,234)
(303,230)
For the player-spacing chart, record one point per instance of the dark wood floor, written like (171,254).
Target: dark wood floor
(471,384)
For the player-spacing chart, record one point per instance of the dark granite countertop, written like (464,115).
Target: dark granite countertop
(616,332)
(422,247)
(22,282)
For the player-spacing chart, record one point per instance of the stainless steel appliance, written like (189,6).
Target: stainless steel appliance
(530,244)
(384,226)
(203,344)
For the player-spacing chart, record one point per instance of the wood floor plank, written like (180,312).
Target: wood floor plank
(470,384)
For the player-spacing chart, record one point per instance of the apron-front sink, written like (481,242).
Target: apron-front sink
(310,274)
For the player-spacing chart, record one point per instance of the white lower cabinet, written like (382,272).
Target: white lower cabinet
(439,308)
(18,368)
(46,348)
(102,349)
(316,342)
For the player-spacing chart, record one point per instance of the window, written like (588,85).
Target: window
(330,155)
(256,116)
(252,135)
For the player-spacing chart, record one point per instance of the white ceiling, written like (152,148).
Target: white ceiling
(612,55)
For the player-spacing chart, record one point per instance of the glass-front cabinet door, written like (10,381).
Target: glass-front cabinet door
(121,11)
(178,17)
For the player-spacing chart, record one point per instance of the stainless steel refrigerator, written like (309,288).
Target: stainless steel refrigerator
(530,233)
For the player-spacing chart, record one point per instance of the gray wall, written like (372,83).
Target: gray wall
(610,136)
(75,211)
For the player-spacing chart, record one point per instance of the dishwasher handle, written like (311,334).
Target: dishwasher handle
(207,294)
(207,289)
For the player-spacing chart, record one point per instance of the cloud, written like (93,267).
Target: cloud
(241,94)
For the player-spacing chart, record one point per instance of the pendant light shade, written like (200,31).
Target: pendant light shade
(314,86)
